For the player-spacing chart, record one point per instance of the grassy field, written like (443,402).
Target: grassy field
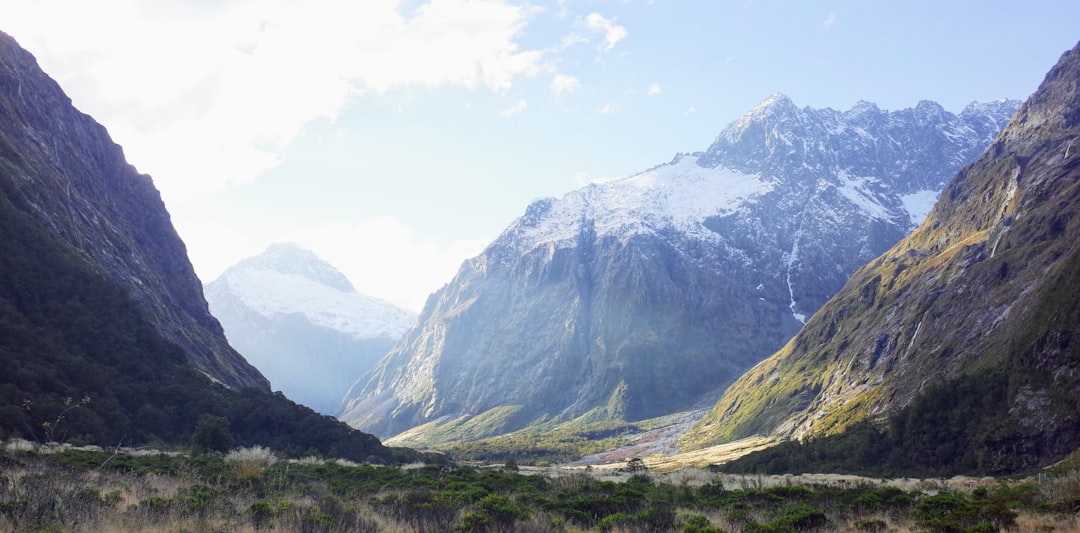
(66,489)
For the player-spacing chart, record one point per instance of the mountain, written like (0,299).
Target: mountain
(303,325)
(958,346)
(76,183)
(105,337)
(643,296)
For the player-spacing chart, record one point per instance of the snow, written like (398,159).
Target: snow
(918,204)
(271,293)
(792,258)
(680,196)
(856,190)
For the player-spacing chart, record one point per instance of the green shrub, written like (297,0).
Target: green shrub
(699,524)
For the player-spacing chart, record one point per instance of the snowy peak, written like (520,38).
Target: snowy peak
(710,262)
(286,279)
(775,106)
(906,148)
(288,258)
(677,196)
(888,166)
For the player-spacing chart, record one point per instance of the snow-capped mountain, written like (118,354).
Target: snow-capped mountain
(957,350)
(299,321)
(642,296)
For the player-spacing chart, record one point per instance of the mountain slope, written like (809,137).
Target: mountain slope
(76,183)
(642,296)
(104,336)
(971,322)
(303,325)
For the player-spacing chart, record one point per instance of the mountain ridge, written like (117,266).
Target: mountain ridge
(970,293)
(105,338)
(584,302)
(57,164)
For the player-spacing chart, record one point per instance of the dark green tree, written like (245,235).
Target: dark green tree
(212,434)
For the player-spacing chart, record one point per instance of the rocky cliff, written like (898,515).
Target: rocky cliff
(642,296)
(73,180)
(971,321)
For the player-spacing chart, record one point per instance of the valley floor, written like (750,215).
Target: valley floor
(60,488)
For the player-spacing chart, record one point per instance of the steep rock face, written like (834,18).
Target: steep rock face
(303,325)
(984,287)
(76,183)
(656,290)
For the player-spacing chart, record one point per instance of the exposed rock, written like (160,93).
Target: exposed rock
(985,285)
(642,296)
(75,181)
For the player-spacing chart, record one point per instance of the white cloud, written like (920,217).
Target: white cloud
(382,257)
(202,95)
(607,109)
(691,110)
(829,21)
(385,258)
(572,40)
(654,90)
(564,84)
(612,32)
(515,109)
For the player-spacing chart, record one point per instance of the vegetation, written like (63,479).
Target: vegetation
(79,363)
(965,424)
(251,489)
(483,437)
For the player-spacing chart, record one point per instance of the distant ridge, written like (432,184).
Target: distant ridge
(300,322)
(642,296)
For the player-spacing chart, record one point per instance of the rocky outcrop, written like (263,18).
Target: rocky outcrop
(984,287)
(642,296)
(74,181)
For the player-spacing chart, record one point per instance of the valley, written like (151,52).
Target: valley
(825,320)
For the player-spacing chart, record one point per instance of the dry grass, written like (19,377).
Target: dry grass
(38,493)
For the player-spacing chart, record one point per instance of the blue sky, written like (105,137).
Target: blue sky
(396,138)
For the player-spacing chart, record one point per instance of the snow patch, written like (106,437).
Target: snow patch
(857,191)
(679,195)
(918,204)
(271,293)
(792,257)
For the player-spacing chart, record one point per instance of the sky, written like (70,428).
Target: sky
(396,138)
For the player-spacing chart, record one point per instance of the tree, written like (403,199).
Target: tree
(211,434)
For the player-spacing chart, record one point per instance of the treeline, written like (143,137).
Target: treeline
(79,363)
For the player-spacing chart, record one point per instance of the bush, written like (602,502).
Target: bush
(699,524)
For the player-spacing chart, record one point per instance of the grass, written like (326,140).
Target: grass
(250,489)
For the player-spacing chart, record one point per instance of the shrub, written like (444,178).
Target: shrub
(871,524)
(699,524)
(251,462)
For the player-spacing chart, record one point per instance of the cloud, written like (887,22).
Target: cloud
(385,258)
(515,109)
(607,109)
(829,21)
(203,95)
(564,84)
(612,32)
(654,90)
